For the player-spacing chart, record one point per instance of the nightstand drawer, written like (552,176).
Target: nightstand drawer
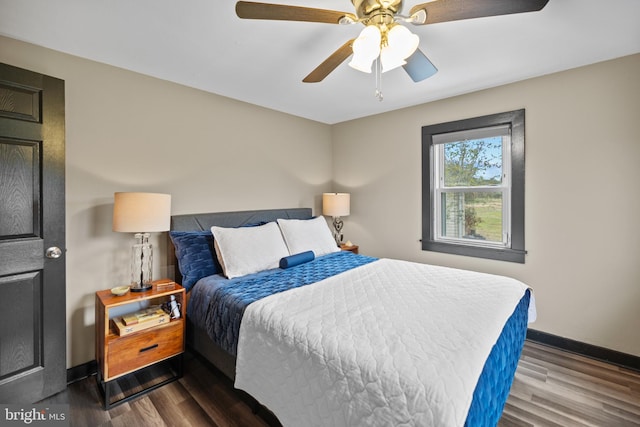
(143,348)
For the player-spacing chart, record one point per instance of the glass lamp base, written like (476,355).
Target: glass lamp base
(337,226)
(141,263)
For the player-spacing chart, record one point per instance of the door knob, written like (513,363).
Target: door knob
(53,252)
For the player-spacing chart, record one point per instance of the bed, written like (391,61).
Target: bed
(328,337)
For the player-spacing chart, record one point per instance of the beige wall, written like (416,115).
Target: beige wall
(129,132)
(582,198)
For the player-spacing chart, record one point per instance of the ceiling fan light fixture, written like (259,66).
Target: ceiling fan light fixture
(390,60)
(361,64)
(400,45)
(366,49)
(402,41)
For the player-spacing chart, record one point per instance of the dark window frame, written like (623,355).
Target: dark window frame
(516,253)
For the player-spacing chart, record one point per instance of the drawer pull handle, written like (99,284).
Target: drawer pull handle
(151,347)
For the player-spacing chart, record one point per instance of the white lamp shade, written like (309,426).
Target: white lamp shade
(336,204)
(366,49)
(141,212)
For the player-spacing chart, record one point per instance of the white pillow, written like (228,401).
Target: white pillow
(247,250)
(303,235)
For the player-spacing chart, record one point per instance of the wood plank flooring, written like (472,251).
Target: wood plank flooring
(555,388)
(551,388)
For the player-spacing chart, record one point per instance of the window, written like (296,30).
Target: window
(473,187)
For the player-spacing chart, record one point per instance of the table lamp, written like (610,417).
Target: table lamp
(336,205)
(141,213)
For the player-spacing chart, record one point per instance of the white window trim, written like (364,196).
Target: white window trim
(504,188)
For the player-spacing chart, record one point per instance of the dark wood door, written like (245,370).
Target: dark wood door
(32,284)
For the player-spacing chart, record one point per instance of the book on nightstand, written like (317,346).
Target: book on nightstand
(140,320)
(146,315)
(129,329)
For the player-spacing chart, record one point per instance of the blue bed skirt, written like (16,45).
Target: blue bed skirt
(493,387)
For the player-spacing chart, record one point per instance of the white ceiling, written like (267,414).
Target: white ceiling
(203,44)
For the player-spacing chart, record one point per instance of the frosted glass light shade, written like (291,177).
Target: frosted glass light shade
(401,44)
(366,49)
(390,59)
(336,204)
(402,41)
(141,212)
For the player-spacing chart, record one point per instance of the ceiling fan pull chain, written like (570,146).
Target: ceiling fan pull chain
(379,80)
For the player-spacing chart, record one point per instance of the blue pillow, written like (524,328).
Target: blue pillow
(297,259)
(195,254)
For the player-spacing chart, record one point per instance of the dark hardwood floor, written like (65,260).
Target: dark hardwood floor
(551,388)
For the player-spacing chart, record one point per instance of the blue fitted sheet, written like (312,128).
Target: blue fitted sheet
(217,305)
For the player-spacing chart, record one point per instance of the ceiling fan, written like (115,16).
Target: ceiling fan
(384,37)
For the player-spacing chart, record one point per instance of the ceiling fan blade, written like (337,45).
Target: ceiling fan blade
(330,64)
(454,10)
(251,10)
(419,67)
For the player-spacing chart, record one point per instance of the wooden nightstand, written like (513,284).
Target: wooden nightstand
(352,248)
(118,356)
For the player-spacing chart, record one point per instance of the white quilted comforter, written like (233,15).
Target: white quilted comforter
(391,343)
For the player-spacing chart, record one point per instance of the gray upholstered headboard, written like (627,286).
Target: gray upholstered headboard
(204,221)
